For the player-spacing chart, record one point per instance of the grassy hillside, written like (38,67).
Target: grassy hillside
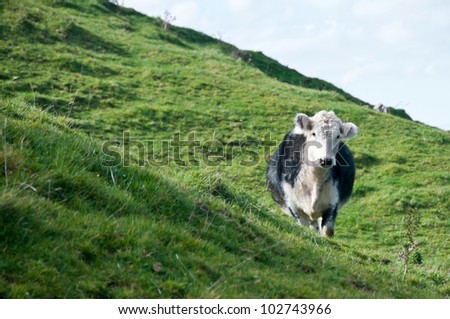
(75,222)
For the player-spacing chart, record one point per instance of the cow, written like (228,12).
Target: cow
(311,174)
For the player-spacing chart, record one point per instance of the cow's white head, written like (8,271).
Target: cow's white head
(324,131)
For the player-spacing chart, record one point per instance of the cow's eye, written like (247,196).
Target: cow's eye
(313,134)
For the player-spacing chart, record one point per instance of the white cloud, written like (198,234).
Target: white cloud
(356,33)
(394,33)
(410,71)
(364,70)
(430,69)
(238,5)
(327,4)
(287,39)
(150,7)
(438,16)
(352,75)
(310,27)
(186,13)
(372,8)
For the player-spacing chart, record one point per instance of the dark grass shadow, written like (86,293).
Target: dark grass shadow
(365,160)
(3,5)
(79,36)
(98,71)
(18,227)
(362,191)
(28,26)
(70,5)
(168,37)
(192,36)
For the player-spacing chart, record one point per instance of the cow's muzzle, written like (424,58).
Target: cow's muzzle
(327,162)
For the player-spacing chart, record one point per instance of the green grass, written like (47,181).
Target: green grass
(76,74)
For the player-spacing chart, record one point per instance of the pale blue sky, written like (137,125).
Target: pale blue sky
(393,52)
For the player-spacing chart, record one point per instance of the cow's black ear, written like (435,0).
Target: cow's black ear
(303,121)
(349,130)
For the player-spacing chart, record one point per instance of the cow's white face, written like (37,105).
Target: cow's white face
(324,132)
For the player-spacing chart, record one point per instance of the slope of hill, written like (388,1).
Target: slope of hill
(282,73)
(77,223)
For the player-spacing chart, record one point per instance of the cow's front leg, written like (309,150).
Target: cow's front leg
(328,219)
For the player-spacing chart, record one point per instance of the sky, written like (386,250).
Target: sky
(395,52)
